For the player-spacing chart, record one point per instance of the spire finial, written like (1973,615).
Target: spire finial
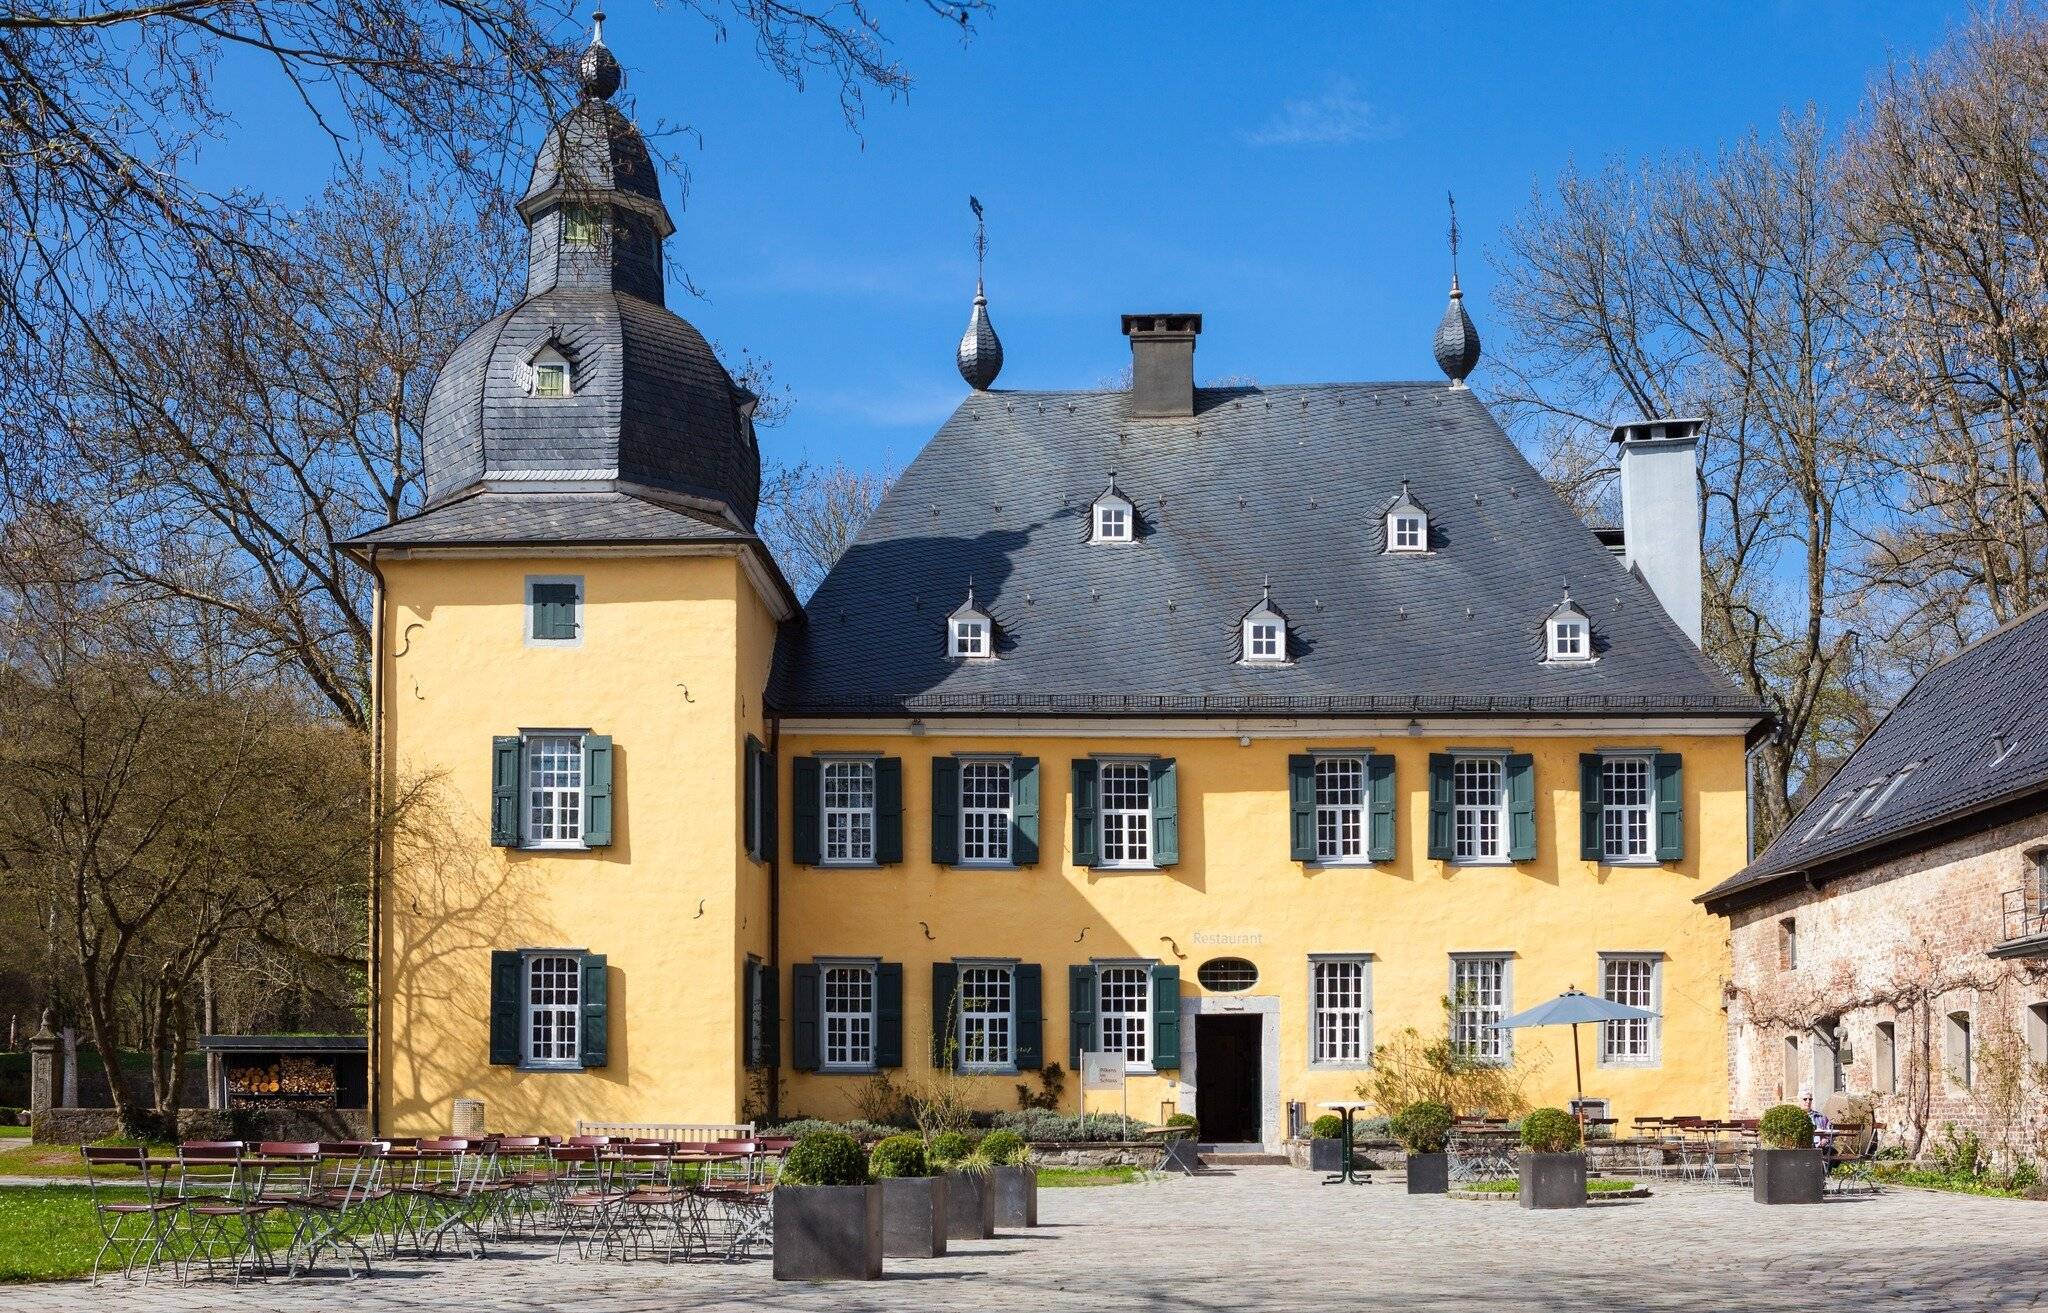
(980,355)
(1457,341)
(1452,198)
(1265,588)
(597,72)
(597,28)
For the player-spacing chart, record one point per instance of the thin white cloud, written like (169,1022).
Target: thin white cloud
(1331,118)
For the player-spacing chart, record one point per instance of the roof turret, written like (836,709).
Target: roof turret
(1457,341)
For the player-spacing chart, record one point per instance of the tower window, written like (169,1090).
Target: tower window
(551,380)
(581,225)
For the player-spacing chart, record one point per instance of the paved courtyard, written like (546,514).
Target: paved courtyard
(1272,1238)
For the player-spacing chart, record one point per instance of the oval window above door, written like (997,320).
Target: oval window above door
(1227,975)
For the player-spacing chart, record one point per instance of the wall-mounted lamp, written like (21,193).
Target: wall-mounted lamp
(1414,728)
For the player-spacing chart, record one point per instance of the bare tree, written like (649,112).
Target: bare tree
(811,515)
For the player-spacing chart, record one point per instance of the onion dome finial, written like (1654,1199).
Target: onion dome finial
(1457,341)
(980,356)
(597,71)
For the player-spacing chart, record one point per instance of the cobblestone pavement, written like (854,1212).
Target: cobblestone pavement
(1273,1238)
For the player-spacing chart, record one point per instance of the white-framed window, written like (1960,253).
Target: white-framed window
(1340,809)
(848,811)
(582,225)
(1265,639)
(1112,520)
(1124,1010)
(1407,531)
(554,790)
(987,1018)
(1571,639)
(970,636)
(985,811)
(1479,809)
(847,1011)
(553,1011)
(551,379)
(1479,998)
(1340,1024)
(1126,813)
(1627,796)
(554,610)
(1631,980)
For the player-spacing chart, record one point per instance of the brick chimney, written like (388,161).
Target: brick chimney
(1660,512)
(1162,364)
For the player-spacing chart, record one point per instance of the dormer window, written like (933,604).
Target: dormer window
(970,638)
(1112,518)
(1263,632)
(1407,524)
(971,634)
(1568,635)
(547,374)
(1568,640)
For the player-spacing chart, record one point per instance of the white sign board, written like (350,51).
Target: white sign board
(1102,1071)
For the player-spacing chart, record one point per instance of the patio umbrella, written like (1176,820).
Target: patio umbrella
(1574,1008)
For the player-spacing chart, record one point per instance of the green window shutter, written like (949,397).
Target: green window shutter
(1024,811)
(1592,809)
(803,1017)
(596,1049)
(1027,990)
(945,998)
(1080,1012)
(554,612)
(1165,812)
(888,810)
(1379,796)
(750,1014)
(1301,807)
(1670,771)
(505,791)
(1087,776)
(507,978)
(597,791)
(889,1014)
(1521,807)
(804,801)
(771,1017)
(1165,1018)
(771,813)
(750,810)
(1442,787)
(945,811)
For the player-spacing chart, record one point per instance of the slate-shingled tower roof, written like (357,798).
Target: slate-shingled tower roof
(1287,480)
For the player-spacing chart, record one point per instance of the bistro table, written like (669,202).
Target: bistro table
(1345,1170)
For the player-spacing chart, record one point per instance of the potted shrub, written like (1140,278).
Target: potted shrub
(828,1218)
(970,1202)
(1553,1173)
(913,1199)
(1424,1132)
(1012,1178)
(1787,1168)
(1326,1143)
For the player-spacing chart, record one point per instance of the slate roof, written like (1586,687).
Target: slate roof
(1284,481)
(520,518)
(1994,690)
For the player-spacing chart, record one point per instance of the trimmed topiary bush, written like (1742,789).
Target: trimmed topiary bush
(1004,1148)
(1329,1126)
(825,1158)
(1550,1130)
(1787,1126)
(1423,1127)
(1188,1120)
(949,1147)
(898,1156)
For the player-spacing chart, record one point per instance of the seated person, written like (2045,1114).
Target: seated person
(1821,1125)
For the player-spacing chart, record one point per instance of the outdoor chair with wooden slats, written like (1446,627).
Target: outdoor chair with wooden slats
(137,1233)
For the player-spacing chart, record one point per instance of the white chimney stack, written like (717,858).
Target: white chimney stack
(1660,512)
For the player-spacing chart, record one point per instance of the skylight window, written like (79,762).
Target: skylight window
(1891,786)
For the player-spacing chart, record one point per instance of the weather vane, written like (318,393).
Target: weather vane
(1452,198)
(980,238)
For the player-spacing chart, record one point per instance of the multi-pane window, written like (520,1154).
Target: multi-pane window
(849,810)
(582,225)
(554,789)
(1408,533)
(986,996)
(1568,640)
(1479,996)
(1113,522)
(1264,641)
(1625,795)
(1126,813)
(985,811)
(970,638)
(1479,796)
(1341,1012)
(1631,981)
(1340,808)
(1124,1004)
(848,1012)
(553,984)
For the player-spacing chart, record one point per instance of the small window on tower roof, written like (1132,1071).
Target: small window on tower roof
(547,374)
(1263,632)
(1407,523)
(971,634)
(1568,634)
(1112,518)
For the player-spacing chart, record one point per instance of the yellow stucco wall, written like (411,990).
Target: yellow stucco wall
(1236,887)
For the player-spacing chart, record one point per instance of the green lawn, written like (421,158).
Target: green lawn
(1994,1186)
(1065,1177)
(13,1132)
(1598,1185)
(53,1160)
(47,1232)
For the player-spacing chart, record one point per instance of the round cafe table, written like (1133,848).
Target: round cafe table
(1345,1170)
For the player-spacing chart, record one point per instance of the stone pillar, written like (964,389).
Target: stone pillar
(42,1070)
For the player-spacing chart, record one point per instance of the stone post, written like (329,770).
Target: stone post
(42,1070)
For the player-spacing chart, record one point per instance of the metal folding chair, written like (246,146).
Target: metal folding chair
(136,1232)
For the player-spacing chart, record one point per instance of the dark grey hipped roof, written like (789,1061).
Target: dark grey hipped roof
(1286,481)
(522,518)
(1952,724)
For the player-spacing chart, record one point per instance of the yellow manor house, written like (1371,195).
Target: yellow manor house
(1229,729)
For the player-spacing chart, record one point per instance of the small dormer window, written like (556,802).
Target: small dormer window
(1410,533)
(1263,631)
(551,379)
(1568,635)
(1568,641)
(970,637)
(1112,518)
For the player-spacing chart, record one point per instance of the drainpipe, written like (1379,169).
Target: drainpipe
(775,915)
(374,975)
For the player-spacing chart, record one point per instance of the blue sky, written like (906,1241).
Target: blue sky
(1280,168)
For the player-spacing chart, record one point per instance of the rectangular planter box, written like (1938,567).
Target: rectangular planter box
(970,1206)
(1326,1155)
(828,1232)
(914,1217)
(1788,1176)
(1553,1180)
(1016,1192)
(1429,1173)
